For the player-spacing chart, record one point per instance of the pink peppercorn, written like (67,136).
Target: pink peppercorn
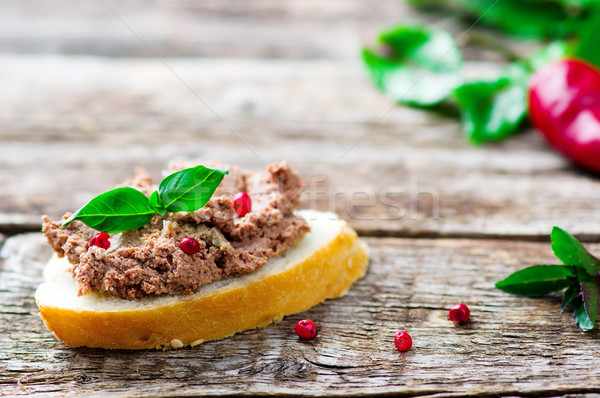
(242,203)
(101,240)
(403,341)
(459,314)
(306,329)
(189,246)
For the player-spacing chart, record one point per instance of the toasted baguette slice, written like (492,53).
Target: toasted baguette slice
(322,265)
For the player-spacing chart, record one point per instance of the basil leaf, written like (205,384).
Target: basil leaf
(538,280)
(187,189)
(581,317)
(570,293)
(570,251)
(156,203)
(115,211)
(493,110)
(590,292)
(415,64)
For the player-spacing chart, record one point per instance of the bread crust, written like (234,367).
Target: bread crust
(326,273)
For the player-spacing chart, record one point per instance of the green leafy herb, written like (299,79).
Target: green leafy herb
(188,189)
(415,64)
(420,65)
(126,208)
(156,203)
(570,251)
(590,292)
(115,211)
(538,280)
(493,110)
(579,275)
(570,293)
(581,317)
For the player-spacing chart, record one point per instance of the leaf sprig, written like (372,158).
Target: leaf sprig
(421,65)
(415,64)
(126,208)
(579,274)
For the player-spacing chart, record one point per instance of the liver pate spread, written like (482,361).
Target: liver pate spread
(148,261)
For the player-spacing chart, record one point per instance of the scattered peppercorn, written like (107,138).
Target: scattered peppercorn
(101,240)
(459,314)
(189,246)
(306,329)
(403,341)
(242,203)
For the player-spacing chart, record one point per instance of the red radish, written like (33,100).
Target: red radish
(564,104)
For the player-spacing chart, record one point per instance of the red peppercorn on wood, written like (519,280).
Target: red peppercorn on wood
(403,341)
(306,329)
(459,314)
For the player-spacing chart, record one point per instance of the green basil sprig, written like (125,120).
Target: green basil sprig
(126,208)
(421,65)
(186,190)
(492,110)
(415,64)
(538,280)
(579,275)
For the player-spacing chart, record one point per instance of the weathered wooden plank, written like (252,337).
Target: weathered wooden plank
(513,345)
(265,28)
(72,127)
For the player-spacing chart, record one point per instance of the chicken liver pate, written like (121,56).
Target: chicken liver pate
(148,261)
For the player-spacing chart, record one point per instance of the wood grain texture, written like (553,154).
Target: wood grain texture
(91,90)
(513,345)
(299,29)
(263,28)
(72,128)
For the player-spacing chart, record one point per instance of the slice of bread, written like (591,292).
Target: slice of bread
(321,266)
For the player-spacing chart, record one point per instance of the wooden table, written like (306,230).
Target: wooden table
(90,91)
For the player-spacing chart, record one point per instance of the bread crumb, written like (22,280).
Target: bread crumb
(176,343)
(196,342)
